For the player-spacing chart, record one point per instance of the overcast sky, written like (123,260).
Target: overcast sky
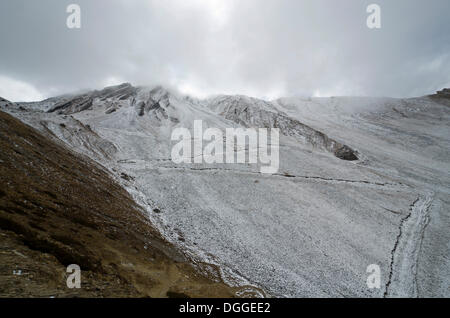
(263,48)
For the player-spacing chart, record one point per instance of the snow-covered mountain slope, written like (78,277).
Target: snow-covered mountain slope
(361,181)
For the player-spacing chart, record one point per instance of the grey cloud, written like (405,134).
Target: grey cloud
(263,48)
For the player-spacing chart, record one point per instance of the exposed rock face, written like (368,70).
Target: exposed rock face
(120,92)
(445,93)
(82,102)
(250,112)
(74,105)
(152,103)
(58,208)
(151,108)
(4,103)
(345,153)
(443,96)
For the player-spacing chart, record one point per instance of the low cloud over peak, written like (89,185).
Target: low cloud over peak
(260,48)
